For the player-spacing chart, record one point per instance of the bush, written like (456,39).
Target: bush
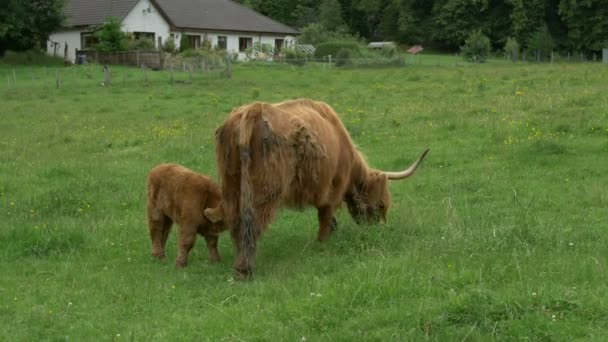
(389,51)
(169,45)
(257,48)
(206,44)
(512,49)
(344,57)
(476,47)
(332,48)
(31,57)
(315,34)
(142,44)
(294,57)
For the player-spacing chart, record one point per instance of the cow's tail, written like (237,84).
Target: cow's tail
(248,229)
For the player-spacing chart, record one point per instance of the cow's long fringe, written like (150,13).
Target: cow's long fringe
(248,225)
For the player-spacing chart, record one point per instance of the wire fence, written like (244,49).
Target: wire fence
(179,70)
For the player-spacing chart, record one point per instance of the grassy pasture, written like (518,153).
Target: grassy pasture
(501,235)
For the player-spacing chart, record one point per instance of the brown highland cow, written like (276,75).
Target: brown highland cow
(177,194)
(296,154)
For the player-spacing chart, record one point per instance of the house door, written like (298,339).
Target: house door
(278,45)
(194,41)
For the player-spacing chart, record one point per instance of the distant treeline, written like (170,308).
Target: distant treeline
(574,25)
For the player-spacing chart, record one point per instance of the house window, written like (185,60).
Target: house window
(143,35)
(244,43)
(87,41)
(222,42)
(278,44)
(194,41)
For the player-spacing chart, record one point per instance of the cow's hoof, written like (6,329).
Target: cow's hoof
(243,275)
(333,226)
(181,264)
(158,255)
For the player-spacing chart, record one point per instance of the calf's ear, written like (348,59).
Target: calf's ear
(214,215)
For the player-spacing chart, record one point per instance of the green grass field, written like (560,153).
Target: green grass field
(502,234)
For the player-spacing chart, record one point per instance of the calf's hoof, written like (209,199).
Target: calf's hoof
(179,264)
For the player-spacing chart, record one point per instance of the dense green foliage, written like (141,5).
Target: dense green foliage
(512,49)
(332,48)
(184,42)
(27,24)
(476,47)
(30,57)
(344,57)
(110,36)
(574,25)
(500,236)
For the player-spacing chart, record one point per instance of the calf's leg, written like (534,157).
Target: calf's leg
(186,239)
(159,226)
(214,255)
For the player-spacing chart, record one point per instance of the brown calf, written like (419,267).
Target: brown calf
(177,194)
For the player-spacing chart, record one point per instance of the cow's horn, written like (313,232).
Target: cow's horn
(410,171)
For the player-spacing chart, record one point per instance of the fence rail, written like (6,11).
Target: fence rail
(149,59)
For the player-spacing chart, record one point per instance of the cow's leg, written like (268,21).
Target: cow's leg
(187,237)
(252,227)
(246,249)
(159,226)
(327,222)
(333,225)
(214,255)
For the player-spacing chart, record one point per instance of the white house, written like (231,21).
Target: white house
(225,23)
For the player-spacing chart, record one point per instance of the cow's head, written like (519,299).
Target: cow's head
(369,200)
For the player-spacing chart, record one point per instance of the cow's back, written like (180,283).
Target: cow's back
(299,150)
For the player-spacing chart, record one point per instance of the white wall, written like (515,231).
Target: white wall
(232,39)
(71,37)
(145,18)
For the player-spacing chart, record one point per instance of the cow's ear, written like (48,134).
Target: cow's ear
(214,215)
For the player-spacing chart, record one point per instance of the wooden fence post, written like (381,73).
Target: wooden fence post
(144,71)
(137,57)
(228,67)
(106,75)
(66,60)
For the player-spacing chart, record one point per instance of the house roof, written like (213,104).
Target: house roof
(221,15)
(92,12)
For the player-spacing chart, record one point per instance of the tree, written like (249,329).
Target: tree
(586,22)
(512,48)
(476,47)
(541,42)
(455,19)
(27,24)
(330,14)
(110,37)
(184,43)
(526,16)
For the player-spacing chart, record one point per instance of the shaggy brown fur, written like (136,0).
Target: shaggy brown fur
(177,194)
(297,154)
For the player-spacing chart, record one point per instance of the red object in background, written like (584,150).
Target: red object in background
(415,49)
